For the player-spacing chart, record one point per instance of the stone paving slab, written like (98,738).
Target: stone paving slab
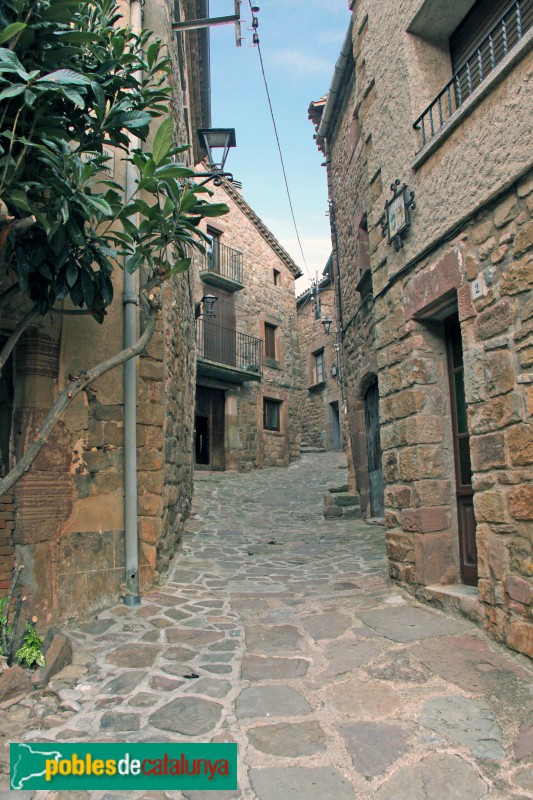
(281,631)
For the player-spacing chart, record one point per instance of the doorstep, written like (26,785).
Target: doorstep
(454,597)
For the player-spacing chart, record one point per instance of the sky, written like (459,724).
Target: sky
(300,43)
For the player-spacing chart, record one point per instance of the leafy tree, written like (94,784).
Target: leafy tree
(74,82)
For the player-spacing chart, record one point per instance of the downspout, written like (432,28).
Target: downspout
(340,66)
(131,535)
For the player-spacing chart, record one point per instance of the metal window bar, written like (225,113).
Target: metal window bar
(505,35)
(228,346)
(225,261)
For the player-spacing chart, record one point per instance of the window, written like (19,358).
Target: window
(213,250)
(318,309)
(277,277)
(363,248)
(319,367)
(270,341)
(271,414)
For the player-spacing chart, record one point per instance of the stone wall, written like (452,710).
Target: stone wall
(317,423)
(471,228)
(69,525)
(7,547)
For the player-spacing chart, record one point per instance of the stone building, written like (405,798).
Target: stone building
(322,407)
(65,519)
(438,322)
(248,365)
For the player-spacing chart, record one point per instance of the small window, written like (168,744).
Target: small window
(270,341)
(271,414)
(363,248)
(318,309)
(213,250)
(319,367)
(277,277)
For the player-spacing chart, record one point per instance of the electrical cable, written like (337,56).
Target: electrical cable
(256,42)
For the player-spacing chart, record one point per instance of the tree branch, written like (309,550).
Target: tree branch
(6,296)
(15,336)
(73,389)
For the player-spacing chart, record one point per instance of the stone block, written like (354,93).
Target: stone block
(499,372)
(490,506)
(520,499)
(14,682)
(332,511)
(149,504)
(58,656)
(481,232)
(427,519)
(520,439)
(467,309)
(496,319)
(499,557)
(498,412)
(526,187)
(487,451)
(423,429)
(400,546)
(344,499)
(154,370)
(420,462)
(434,561)
(432,492)
(519,275)
(519,589)
(519,636)
(398,496)
(506,211)
(402,404)
(150,414)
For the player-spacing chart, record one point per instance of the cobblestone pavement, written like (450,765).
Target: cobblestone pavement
(281,631)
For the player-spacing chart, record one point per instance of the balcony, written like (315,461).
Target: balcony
(227,354)
(223,266)
(503,39)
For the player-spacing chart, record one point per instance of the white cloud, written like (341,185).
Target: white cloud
(300,63)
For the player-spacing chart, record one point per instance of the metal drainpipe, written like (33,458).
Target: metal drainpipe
(132,597)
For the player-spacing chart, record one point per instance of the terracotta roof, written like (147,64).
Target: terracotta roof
(316,109)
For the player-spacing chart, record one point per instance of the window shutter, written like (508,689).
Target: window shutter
(478,23)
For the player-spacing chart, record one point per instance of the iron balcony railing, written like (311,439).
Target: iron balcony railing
(505,35)
(225,261)
(228,346)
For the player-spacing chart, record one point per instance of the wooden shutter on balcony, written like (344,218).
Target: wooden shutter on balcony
(477,25)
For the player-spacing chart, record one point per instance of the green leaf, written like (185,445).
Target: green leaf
(74,97)
(135,119)
(180,266)
(213,209)
(11,31)
(19,199)
(163,140)
(13,91)
(174,171)
(99,204)
(65,77)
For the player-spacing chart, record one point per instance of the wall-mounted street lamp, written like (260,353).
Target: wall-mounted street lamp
(206,307)
(327,323)
(220,140)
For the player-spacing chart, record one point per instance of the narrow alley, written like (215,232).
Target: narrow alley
(281,631)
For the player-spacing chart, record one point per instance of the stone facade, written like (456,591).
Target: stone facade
(264,297)
(68,511)
(467,257)
(322,408)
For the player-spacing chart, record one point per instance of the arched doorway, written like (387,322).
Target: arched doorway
(373,447)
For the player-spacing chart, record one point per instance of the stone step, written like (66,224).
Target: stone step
(312,449)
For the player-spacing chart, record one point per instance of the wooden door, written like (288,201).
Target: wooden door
(210,427)
(336,425)
(373,446)
(466,520)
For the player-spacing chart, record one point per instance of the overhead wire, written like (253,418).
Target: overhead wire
(256,42)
